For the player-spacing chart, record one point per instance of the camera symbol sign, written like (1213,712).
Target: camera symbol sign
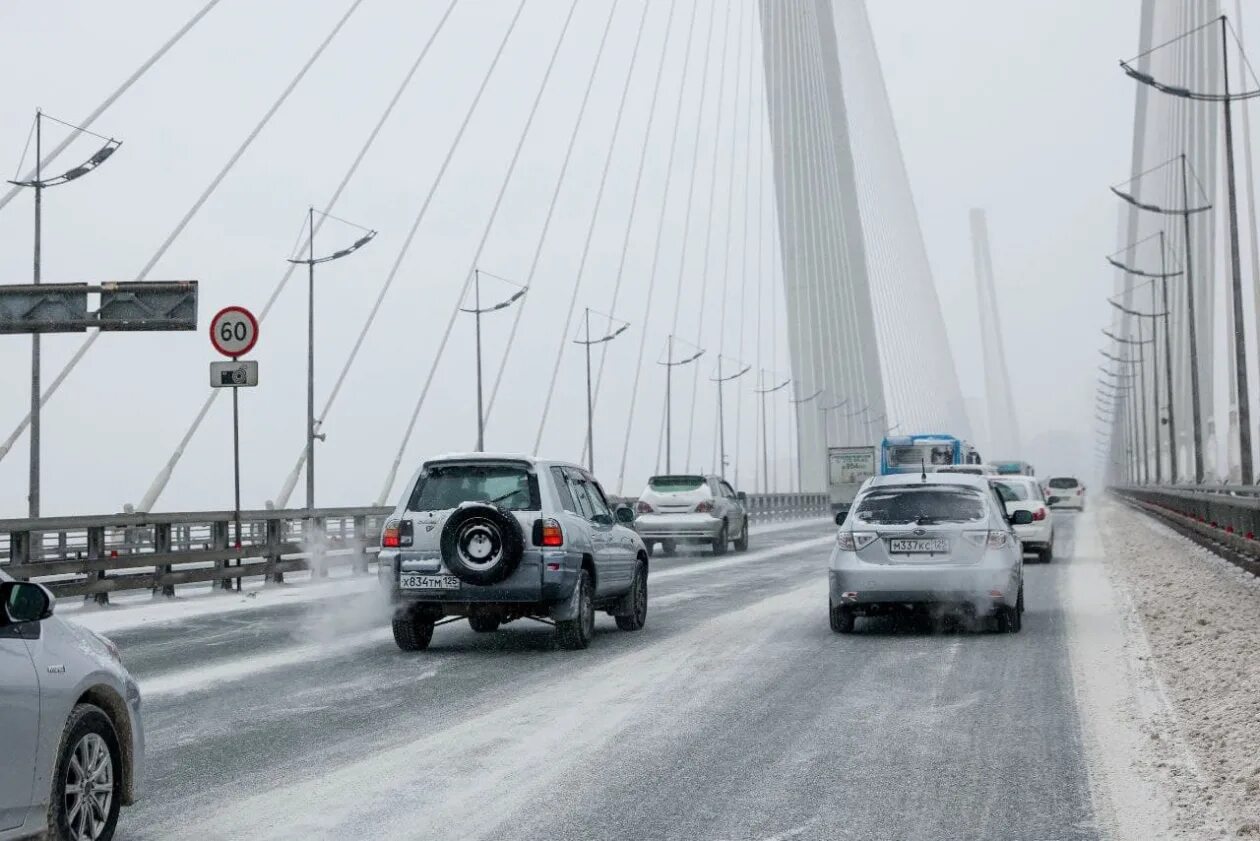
(233,331)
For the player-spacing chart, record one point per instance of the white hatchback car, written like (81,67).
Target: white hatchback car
(1066,492)
(1024,493)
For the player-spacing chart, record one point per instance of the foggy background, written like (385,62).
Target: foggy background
(1016,108)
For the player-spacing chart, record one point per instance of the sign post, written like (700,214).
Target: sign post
(233,333)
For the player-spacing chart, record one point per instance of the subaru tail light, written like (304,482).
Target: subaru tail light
(642,507)
(1039,514)
(852,541)
(704,507)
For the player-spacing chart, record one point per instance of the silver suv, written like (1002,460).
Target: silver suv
(495,538)
(71,740)
(692,509)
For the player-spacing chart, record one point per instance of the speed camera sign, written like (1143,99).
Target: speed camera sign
(233,331)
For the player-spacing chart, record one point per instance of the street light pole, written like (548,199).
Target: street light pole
(477,313)
(587,342)
(719,379)
(1141,362)
(1196,419)
(670,365)
(1154,374)
(1168,378)
(39,183)
(765,448)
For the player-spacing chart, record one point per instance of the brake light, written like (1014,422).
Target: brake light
(642,507)
(988,539)
(550,534)
(852,541)
(1039,514)
(704,507)
(389,536)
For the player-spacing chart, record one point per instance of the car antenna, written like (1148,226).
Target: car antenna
(923,462)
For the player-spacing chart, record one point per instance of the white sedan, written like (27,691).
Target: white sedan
(1024,493)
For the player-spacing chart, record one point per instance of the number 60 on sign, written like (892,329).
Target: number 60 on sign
(233,331)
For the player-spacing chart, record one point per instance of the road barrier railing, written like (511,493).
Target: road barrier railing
(1225,518)
(97,555)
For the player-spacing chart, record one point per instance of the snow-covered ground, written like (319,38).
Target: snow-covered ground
(1166,655)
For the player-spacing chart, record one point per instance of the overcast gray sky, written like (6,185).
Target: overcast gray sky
(1015,107)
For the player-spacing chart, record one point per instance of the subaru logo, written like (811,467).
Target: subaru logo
(920,531)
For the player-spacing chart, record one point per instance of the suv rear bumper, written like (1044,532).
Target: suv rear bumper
(533,582)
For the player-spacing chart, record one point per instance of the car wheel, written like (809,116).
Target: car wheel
(1046,555)
(741,544)
(635,620)
(483,624)
(482,543)
(87,783)
(719,542)
(575,634)
(412,632)
(1010,620)
(669,548)
(842,619)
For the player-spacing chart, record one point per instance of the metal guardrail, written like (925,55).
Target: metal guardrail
(97,555)
(1223,518)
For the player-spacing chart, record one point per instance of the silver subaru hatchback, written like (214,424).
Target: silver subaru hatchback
(71,740)
(936,540)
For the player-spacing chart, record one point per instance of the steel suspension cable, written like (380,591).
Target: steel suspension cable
(159,483)
(743,262)
(424,392)
(562,342)
(762,128)
(183,223)
(113,97)
(551,207)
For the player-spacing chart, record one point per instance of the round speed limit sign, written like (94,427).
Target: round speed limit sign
(233,331)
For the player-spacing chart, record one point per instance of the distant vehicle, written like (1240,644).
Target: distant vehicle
(1014,468)
(969,469)
(1066,492)
(692,509)
(847,469)
(71,737)
(496,538)
(914,544)
(914,453)
(1025,493)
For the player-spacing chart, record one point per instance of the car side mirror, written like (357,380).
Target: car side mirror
(742,496)
(841,516)
(25,601)
(625,514)
(1021,518)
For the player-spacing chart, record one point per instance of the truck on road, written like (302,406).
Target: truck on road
(847,469)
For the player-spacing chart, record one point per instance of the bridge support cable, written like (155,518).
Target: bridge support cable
(391,476)
(751,99)
(656,250)
(87,122)
(563,340)
(730,210)
(159,483)
(760,308)
(188,216)
(1003,424)
(555,198)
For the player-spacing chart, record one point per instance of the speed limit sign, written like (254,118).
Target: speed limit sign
(233,331)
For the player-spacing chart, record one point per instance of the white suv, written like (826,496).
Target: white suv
(1066,492)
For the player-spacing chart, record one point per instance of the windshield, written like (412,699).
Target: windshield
(447,486)
(1063,482)
(675,484)
(1013,491)
(933,503)
(911,455)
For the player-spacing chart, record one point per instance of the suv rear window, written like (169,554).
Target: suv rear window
(930,504)
(447,486)
(675,484)
(1063,482)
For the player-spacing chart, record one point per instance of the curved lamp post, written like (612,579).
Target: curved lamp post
(670,364)
(588,341)
(765,449)
(477,312)
(1159,477)
(719,379)
(39,184)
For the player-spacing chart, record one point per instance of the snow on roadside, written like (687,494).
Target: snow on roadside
(1199,617)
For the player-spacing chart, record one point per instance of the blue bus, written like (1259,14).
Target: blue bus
(913,453)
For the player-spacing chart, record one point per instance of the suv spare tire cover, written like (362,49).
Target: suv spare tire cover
(482,543)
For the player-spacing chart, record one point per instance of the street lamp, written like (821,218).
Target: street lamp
(1163,276)
(477,312)
(1141,363)
(826,412)
(588,341)
(310,262)
(1159,478)
(719,379)
(1240,345)
(765,450)
(670,364)
(848,424)
(38,184)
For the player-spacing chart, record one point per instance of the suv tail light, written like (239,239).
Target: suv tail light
(642,507)
(852,541)
(704,507)
(390,538)
(548,533)
(1039,514)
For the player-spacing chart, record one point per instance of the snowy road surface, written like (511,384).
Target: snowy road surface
(736,714)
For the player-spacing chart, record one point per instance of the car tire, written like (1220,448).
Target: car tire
(669,548)
(412,632)
(1010,620)
(1046,555)
(89,738)
(575,634)
(638,597)
(483,624)
(720,542)
(842,619)
(482,544)
(741,543)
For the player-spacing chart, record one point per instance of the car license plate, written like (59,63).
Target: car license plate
(416,581)
(911,546)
